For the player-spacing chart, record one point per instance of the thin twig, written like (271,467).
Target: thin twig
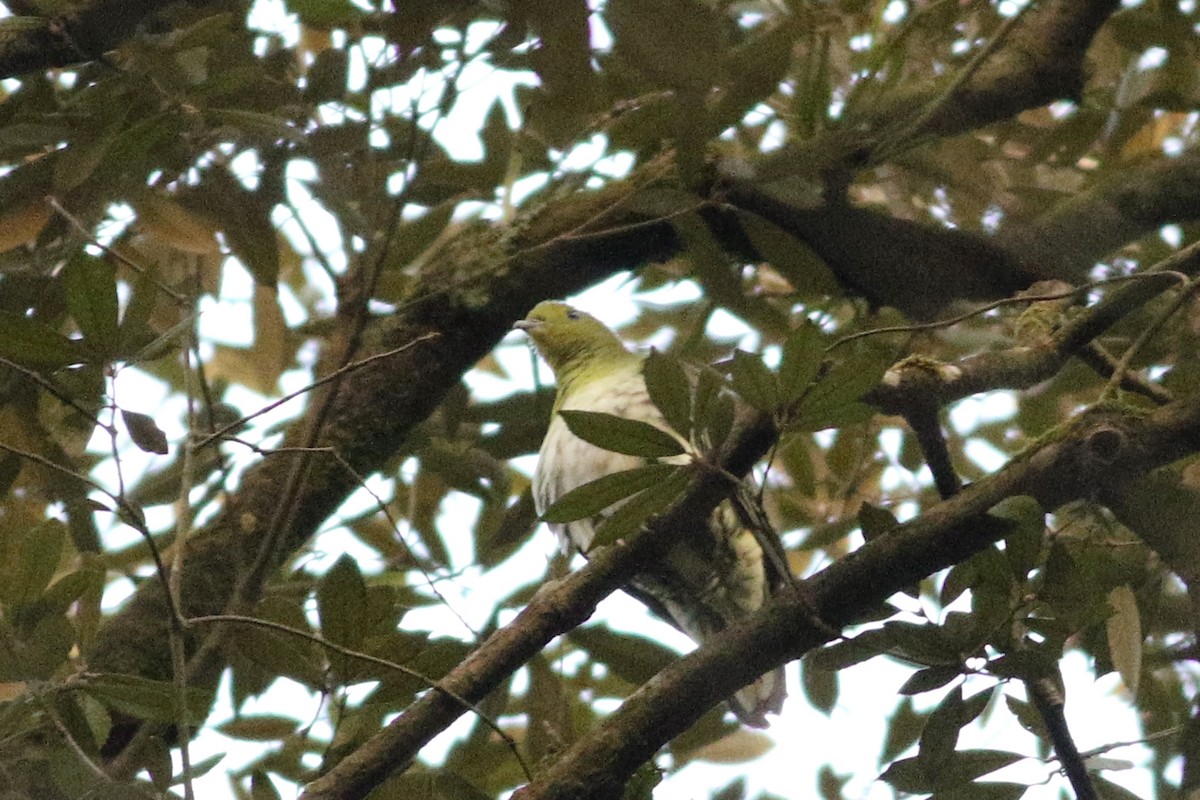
(1149,332)
(383,662)
(910,134)
(174,587)
(1026,298)
(1104,364)
(351,367)
(52,389)
(63,731)
(131,515)
(76,223)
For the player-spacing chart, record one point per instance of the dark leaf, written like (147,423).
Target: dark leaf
(875,521)
(803,353)
(326,13)
(147,699)
(1023,546)
(41,549)
(753,381)
(669,389)
(592,498)
(929,678)
(327,76)
(820,687)
(92,299)
(144,432)
(984,791)
(907,775)
(31,343)
(629,518)
(341,597)
(904,729)
(416,236)
(633,658)
(687,59)
(621,435)
(261,787)
(245,218)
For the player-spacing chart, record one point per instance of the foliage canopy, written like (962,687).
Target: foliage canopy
(246,268)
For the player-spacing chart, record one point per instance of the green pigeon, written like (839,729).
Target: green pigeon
(704,584)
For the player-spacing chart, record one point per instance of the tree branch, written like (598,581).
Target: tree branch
(557,608)
(1100,449)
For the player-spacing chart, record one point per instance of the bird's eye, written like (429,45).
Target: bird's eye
(572,314)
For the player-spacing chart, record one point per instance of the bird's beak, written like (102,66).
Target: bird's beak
(525,324)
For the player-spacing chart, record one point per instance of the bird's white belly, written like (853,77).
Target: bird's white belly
(567,462)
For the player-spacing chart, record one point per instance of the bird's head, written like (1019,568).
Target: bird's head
(569,338)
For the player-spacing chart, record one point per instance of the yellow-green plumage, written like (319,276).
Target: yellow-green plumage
(706,582)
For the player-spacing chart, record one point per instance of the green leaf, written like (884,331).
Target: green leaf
(1162,509)
(803,353)
(621,435)
(627,519)
(146,699)
(198,769)
(633,658)
(753,381)
(77,163)
(259,727)
(688,58)
(849,652)
(1114,791)
(326,13)
(904,729)
(971,764)
(415,236)
(244,217)
(986,790)
(719,421)
(1023,546)
(923,644)
(166,343)
(341,596)
(41,549)
(875,521)
(669,389)
(46,650)
(1028,717)
(929,678)
(257,125)
(833,402)
(261,787)
(592,498)
(820,687)
(907,775)
(1124,633)
(940,736)
(91,286)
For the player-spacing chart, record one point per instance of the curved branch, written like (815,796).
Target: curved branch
(555,609)
(1087,456)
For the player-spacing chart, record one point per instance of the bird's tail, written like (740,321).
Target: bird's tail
(752,704)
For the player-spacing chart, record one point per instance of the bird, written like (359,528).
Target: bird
(703,583)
